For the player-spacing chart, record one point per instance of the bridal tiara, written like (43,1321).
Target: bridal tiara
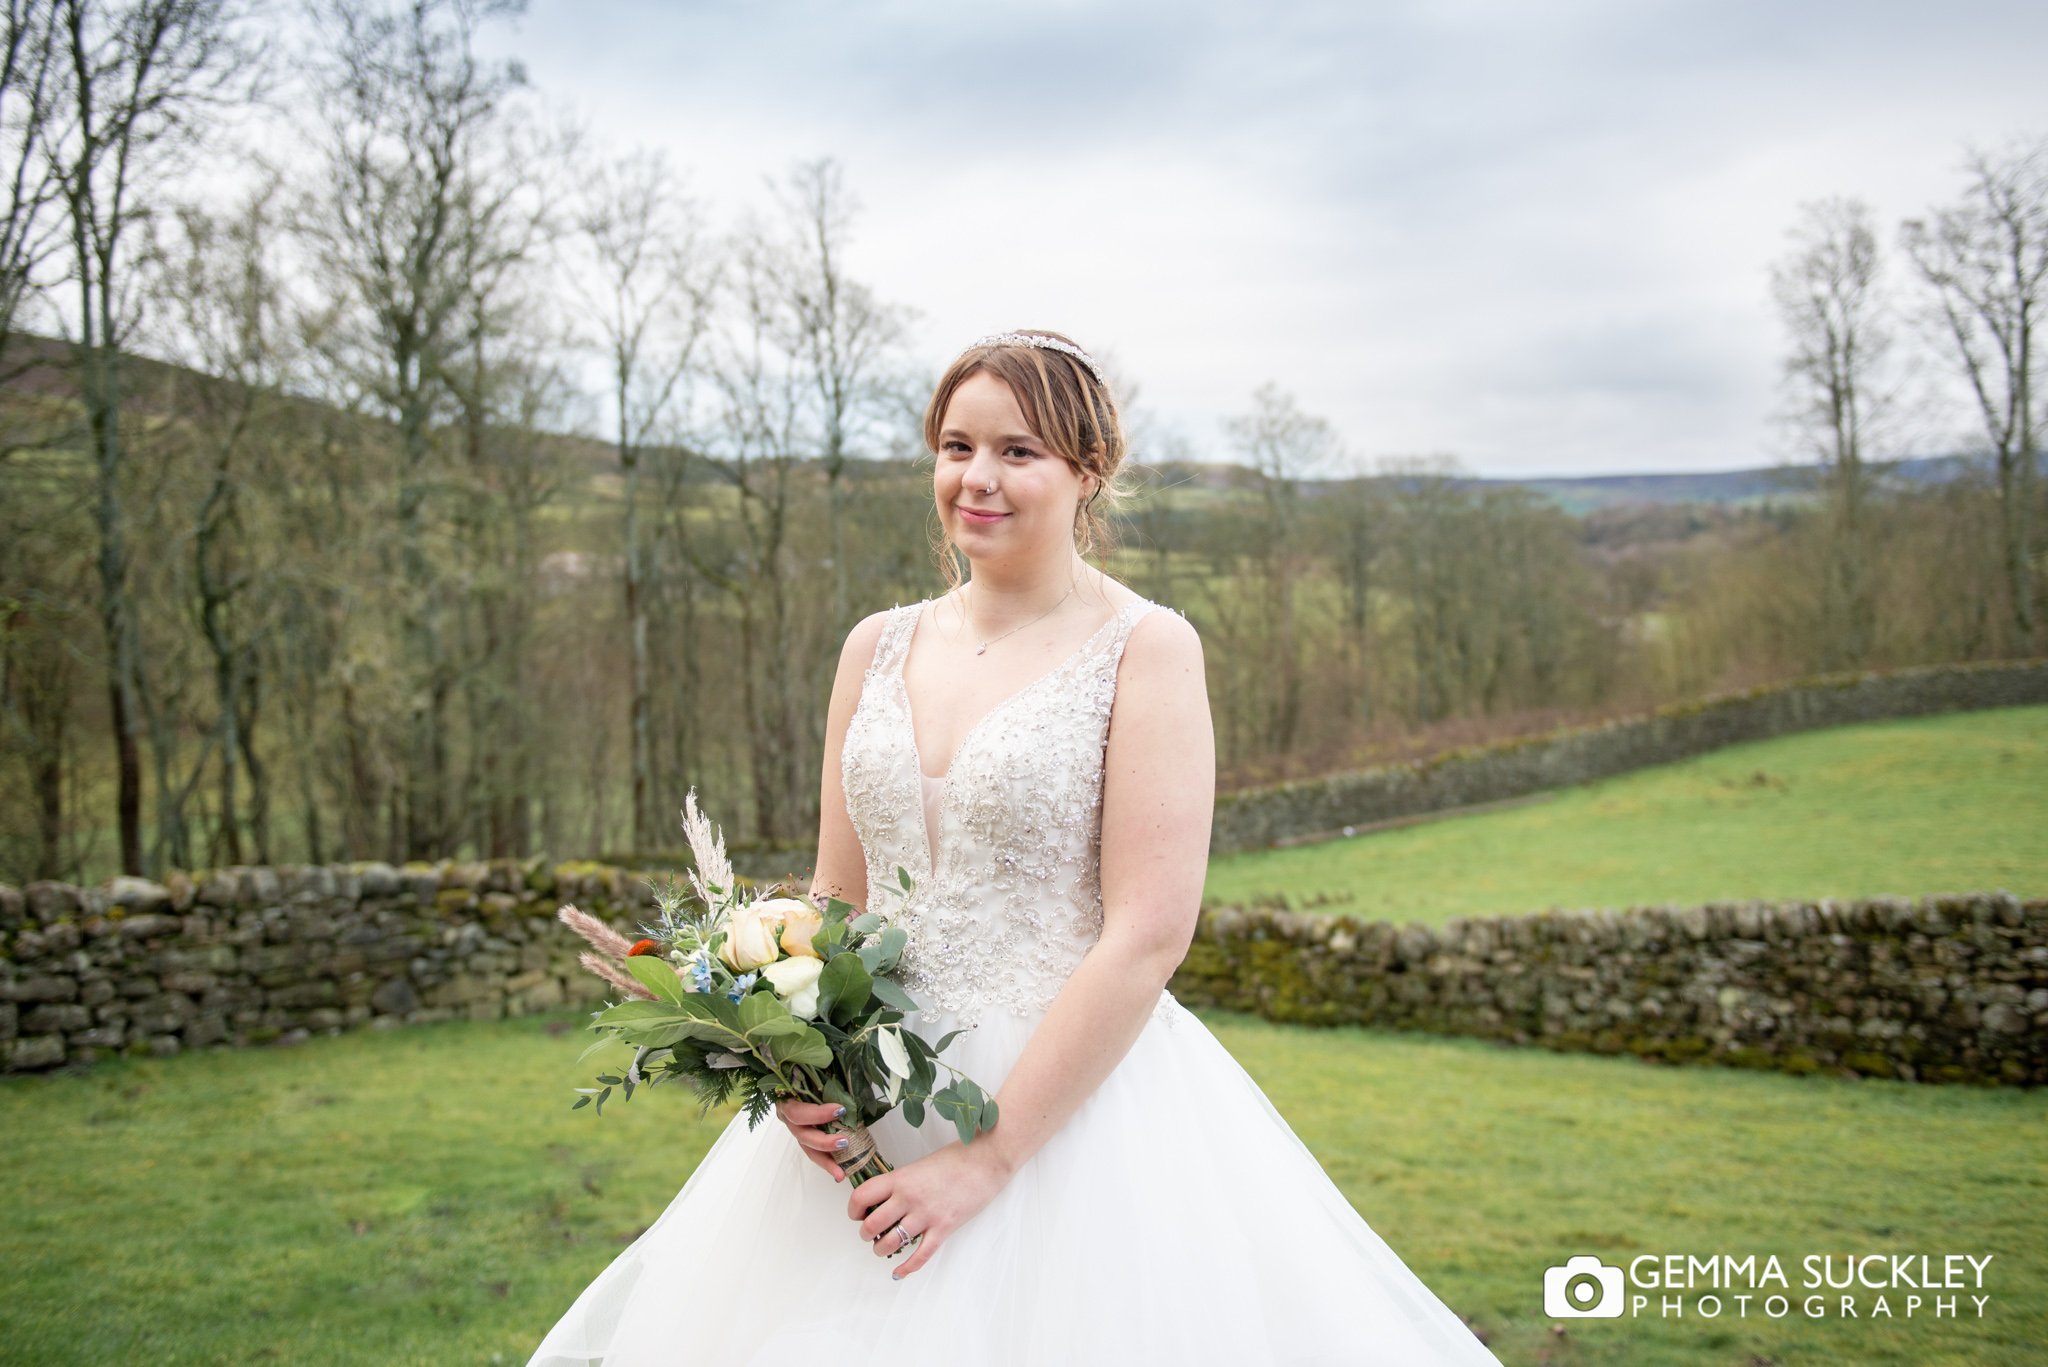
(1040,340)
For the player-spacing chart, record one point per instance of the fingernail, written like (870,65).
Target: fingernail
(841,1111)
(897,1275)
(843,1142)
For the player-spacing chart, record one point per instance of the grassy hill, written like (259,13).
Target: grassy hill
(1927,804)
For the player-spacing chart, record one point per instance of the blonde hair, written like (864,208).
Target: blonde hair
(1066,407)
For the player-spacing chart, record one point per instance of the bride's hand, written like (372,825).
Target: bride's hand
(933,1197)
(805,1119)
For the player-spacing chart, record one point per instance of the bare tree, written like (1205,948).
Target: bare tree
(649,283)
(131,84)
(224,308)
(1828,295)
(417,192)
(30,91)
(1282,446)
(1356,517)
(1986,260)
(756,446)
(840,336)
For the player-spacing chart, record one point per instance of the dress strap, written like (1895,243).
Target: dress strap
(895,636)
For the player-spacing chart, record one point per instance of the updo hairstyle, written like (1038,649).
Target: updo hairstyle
(1067,408)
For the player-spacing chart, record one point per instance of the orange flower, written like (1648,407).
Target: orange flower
(643,947)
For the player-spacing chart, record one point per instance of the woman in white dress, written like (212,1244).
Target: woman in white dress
(1035,747)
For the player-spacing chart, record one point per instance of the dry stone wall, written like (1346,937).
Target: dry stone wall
(1944,989)
(1951,988)
(253,955)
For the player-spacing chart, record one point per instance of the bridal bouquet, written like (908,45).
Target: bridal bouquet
(770,998)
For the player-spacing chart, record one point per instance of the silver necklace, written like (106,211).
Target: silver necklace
(1021,625)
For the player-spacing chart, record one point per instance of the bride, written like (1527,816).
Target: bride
(1034,747)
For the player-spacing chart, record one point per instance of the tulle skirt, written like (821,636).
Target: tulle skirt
(1174,1219)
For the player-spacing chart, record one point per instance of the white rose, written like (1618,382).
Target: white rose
(796,982)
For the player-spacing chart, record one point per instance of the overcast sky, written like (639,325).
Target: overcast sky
(1533,235)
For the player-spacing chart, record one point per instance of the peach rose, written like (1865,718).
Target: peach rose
(799,924)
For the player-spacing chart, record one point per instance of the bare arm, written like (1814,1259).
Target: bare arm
(1158,801)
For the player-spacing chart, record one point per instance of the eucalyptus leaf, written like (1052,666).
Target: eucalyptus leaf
(808,1048)
(890,992)
(657,976)
(843,988)
(759,1012)
(635,1010)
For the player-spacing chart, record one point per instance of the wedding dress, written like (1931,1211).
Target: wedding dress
(1174,1219)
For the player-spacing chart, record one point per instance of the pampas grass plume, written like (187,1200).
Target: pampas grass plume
(602,937)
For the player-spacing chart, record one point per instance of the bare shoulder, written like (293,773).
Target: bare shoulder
(1163,644)
(859,650)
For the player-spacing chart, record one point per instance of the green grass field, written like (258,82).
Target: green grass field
(426,1196)
(1931,804)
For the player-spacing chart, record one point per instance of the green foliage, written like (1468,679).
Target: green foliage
(742,1043)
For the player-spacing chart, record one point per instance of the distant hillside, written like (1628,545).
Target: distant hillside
(1583,494)
(39,368)
(1586,493)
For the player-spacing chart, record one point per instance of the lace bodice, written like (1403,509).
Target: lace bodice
(1008,887)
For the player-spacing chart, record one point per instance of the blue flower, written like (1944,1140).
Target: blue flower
(741,984)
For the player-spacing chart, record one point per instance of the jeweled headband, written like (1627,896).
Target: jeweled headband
(1039,340)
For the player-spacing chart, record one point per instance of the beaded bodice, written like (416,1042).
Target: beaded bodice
(1007,894)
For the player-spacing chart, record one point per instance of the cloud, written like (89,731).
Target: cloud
(1533,235)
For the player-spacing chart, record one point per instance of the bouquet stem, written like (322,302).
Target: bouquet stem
(861,1159)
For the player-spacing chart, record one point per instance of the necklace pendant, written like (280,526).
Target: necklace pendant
(980,648)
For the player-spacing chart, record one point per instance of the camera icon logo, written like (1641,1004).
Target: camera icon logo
(1583,1289)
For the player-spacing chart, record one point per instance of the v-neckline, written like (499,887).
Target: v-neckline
(910,712)
(910,726)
